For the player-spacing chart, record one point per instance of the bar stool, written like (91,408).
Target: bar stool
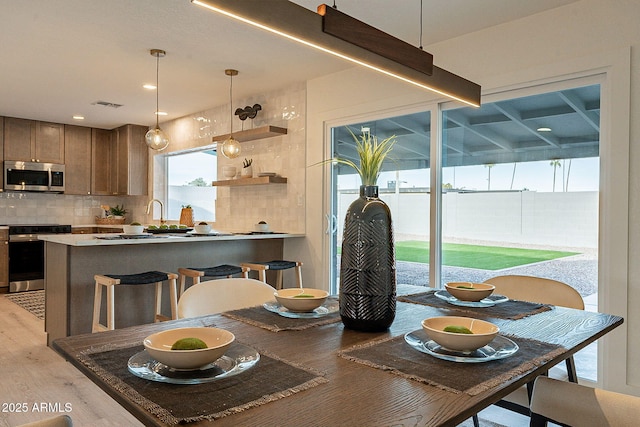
(278,266)
(110,281)
(224,270)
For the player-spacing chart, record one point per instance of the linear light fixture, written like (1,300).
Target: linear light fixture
(302,25)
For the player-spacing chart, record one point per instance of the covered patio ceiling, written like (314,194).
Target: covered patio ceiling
(500,132)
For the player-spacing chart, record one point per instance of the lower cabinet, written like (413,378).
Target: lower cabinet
(4,258)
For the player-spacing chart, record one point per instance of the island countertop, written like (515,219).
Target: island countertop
(109,239)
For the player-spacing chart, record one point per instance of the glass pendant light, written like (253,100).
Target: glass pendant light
(230,147)
(156,139)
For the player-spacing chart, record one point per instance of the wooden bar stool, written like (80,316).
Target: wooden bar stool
(275,265)
(224,270)
(110,281)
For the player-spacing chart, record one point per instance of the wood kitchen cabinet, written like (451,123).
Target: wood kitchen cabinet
(33,141)
(77,146)
(4,257)
(131,158)
(101,162)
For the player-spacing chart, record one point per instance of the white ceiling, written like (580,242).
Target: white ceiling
(58,57)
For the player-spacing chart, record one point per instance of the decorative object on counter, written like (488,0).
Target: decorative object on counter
(155,138)
(248,112)
(368,265)
(118,211)
(262,226)
(203,228)
(134,228)
(229,172)
(230,148)
(247,169)
(186,215)
(112,215)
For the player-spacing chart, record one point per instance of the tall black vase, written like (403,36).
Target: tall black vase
(368,264)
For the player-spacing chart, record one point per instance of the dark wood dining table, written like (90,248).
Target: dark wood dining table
(352,393)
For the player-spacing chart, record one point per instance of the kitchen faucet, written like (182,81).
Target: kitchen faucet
(162,220)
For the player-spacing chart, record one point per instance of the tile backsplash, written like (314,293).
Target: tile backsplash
(238,208)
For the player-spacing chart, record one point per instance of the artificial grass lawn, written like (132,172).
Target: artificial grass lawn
(474,256)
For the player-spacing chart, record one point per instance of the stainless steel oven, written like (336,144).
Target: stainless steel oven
(26,255)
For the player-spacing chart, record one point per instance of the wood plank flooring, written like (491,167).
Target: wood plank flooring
(34,376)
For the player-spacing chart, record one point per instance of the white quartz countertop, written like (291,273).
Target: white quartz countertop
(108,239)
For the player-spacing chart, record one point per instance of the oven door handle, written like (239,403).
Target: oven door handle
(23,238)
(49,182)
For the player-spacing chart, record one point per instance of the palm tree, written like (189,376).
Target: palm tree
(489,166)
(555,164)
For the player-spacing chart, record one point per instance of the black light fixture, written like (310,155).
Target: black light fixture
(230,147)
(346,38)
(155,138)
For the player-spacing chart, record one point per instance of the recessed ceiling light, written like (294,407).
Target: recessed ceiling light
(150,86)
(544,129)
(78,117)
(161,113)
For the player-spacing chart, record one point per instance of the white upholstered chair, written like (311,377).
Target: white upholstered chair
(216,296)
(573,404)
(545,291)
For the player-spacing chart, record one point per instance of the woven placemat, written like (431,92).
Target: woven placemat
(396,356)
(511,309)
(272,378)
(263,318)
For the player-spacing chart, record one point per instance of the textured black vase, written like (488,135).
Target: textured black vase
(368,264)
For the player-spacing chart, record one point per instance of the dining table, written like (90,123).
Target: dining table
(313,371)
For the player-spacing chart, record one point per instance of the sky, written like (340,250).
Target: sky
(583,175)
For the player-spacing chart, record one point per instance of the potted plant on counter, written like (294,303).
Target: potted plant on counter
(186,215)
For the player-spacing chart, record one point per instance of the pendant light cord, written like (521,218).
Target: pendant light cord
(231,106)
(157,89)
(420,43)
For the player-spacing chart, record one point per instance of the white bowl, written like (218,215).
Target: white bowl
(158,346)
(467,291)
(261,227)
(202,229)
(229,172)
(288,299)
(133,229)
(483,332)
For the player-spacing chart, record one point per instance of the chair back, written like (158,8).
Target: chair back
(537,289)
(216,296)
(57,421)
(578,405)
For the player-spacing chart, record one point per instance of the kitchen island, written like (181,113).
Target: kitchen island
(72,260)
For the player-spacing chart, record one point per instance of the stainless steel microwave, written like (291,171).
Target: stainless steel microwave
(32,176)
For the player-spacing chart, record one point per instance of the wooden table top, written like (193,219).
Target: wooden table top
(356,394)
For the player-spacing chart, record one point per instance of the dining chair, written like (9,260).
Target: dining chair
(571,404)
(544,291)
(216,296)
(57,421)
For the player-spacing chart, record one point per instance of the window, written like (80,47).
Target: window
(189,182)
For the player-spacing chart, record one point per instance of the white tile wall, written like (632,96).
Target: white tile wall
(238,208)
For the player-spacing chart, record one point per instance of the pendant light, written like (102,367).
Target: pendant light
(230,147)
(156,139)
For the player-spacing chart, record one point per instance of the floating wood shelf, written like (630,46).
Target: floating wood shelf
(253,134)
(261,180)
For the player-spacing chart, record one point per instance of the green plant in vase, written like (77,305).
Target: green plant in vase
(372,153)
(117,211)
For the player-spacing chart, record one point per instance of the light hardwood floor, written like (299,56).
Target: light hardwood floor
(32,375)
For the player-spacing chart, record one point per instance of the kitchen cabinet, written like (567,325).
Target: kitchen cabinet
(1,151)
(33,141)
(4,257)
(131,157)
(101,162)
(77,146)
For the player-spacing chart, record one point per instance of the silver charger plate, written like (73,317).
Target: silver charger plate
(489,301)
(236,360)
(499,348)
(330,306)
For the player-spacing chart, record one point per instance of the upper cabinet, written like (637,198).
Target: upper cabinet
(131,157)
(101,169)
(77,147)
(33,141)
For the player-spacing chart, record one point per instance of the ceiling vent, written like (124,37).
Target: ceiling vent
(107,104)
